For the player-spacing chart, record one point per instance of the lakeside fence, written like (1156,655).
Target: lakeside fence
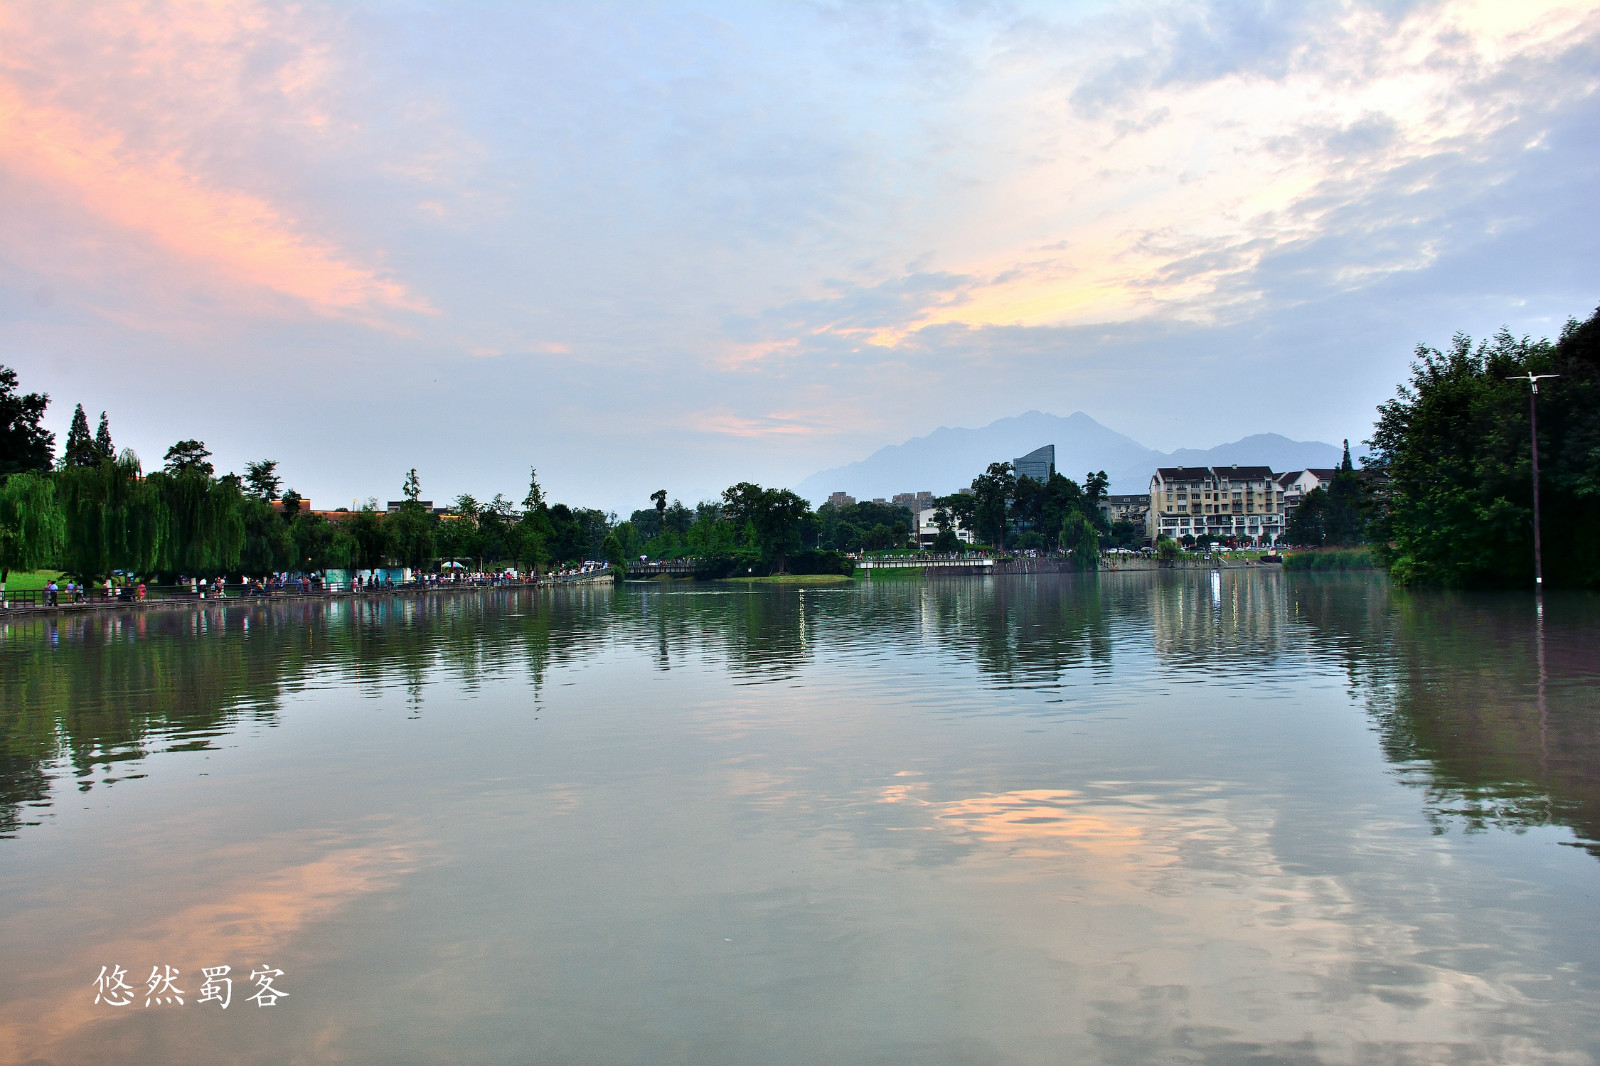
(97,597)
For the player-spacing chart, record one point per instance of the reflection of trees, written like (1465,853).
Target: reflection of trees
(1455,684)
(1226,619)
(1023,630)
(1018,630)
(96,694)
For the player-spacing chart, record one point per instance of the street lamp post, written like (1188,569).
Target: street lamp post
(1533,419)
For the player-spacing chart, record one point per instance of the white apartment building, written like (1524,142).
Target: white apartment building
(927,532)
(1216,503)
(1297,483)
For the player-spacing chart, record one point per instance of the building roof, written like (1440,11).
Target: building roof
(1322,474)
(1290,477)
(1183,473)
(1244,473)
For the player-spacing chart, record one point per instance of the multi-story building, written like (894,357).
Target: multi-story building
(839,501)
(1242,503)
(913,501)
(1038,464)
(1297,483)
(1128,508)
(928,531)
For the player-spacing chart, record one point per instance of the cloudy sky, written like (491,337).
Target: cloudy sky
(642,245)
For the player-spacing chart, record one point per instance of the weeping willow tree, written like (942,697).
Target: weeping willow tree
(1080,537)
(31,525)
(206,528)
(114,519)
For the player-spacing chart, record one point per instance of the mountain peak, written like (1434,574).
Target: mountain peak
(949,458)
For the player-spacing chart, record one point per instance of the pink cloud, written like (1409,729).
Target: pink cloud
(117,166)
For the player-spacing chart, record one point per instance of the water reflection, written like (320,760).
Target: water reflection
(1113,818)
(1493,712)
(1496,727)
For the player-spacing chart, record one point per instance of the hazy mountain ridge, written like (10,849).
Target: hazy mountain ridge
(948,459)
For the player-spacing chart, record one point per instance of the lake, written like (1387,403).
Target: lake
(1127,818)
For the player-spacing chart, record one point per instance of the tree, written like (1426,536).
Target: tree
(291,505)
(1079,536)
(773,515)
(659,498)
(1095,485)
(1451,480)
(366,531)
(80,449)
(115,519)
(32,527)
(268,546)
(408,532)
(189,455)
(205,527)
(261,479)
(615,555)
(102,439)
(24,443)
(993,491)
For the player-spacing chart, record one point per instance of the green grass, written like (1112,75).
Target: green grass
(1330,559)
(891,573)
(793,579)
(32,581)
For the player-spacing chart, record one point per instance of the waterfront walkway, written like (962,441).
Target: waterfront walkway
(174,597)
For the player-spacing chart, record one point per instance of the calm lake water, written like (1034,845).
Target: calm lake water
(1133,818)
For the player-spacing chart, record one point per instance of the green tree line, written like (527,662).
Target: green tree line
(1446,496)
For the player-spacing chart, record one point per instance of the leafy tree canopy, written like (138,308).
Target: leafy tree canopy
(188,455)
(1451,474)
(24,443)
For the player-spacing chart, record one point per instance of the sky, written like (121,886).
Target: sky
(681,245)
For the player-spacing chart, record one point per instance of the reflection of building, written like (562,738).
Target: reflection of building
(839,501)
(927,531)
(1130,508)
(1038,464)
(1241,503)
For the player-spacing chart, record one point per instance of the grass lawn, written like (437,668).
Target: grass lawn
(794,579)
(32,580)
(891,573)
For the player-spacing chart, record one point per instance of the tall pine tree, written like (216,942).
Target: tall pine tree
(102,439)
(81,450)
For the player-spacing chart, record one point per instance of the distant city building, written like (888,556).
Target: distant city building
(880,501)
(968,491)
(913,501)
(1038,464)
(395,505)
(839,501)
(928,531)
(1208,503)
(1128,508)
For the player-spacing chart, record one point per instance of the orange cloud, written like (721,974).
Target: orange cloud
(241,236)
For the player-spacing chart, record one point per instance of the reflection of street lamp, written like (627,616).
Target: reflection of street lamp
(1533,420)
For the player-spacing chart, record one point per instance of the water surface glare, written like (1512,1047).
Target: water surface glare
(1110,819)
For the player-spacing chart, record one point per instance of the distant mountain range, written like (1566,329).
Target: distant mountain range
(948,459)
